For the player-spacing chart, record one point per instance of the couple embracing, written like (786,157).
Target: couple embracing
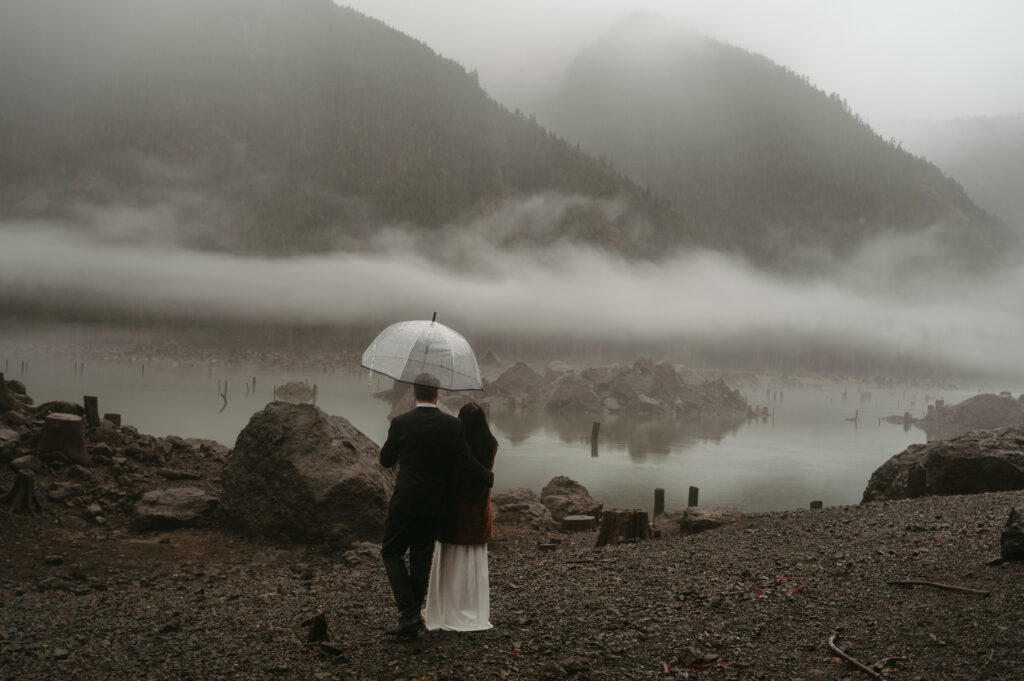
(441,497)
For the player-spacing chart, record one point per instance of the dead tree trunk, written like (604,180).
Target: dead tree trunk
(618,525)
(22,497)
(7,403)
(66,434)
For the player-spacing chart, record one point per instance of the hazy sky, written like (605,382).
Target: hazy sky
(890,59)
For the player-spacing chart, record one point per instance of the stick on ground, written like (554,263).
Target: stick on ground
(937,585)
(841,653)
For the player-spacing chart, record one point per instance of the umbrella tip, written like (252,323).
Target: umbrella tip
(434,318)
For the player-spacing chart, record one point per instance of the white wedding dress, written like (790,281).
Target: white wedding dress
(458,597)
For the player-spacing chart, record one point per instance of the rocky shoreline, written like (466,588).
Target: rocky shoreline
(89,591)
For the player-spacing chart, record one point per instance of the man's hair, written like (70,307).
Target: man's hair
(424,387)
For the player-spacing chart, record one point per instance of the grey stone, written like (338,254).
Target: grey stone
(564,496)
(174,507)
(520,507)
(701,518)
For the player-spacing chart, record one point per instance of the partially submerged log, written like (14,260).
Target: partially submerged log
(619,525)
(22,497)
(65,433)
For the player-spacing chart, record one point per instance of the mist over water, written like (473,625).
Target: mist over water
(892,296)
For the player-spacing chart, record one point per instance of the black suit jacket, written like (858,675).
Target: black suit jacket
(430,449)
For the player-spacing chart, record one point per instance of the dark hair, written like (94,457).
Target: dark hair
(478,434)
(424,393)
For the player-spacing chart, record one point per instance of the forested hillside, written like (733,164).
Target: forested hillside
(985,154)
(284,127)
(753,155)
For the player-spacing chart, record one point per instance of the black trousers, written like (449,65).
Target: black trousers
(414,534)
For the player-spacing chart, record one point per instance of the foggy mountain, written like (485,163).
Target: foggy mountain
(276,127)
(258,167)
(985,154)
(754,156)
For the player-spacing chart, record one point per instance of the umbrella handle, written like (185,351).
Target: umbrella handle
(369,380)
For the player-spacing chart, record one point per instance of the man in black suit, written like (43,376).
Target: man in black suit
(429,448)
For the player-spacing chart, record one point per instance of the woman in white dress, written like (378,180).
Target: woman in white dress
(458,598)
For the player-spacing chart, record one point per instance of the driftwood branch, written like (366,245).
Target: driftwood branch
(937,585)
(841,653)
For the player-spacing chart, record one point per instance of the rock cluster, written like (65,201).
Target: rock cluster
(127,478)
(645,388)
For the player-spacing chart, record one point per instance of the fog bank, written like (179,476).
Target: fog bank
(482,285)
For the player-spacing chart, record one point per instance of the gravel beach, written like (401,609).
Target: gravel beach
(755,600)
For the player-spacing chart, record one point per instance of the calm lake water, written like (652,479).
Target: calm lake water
(807,449)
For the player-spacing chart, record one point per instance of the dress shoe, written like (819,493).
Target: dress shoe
(408,628)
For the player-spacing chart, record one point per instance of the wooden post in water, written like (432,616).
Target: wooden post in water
(815,505)
(659,501)
(92,410)
(694,492)
(593,437)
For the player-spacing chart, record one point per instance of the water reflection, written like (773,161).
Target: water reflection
(641,436)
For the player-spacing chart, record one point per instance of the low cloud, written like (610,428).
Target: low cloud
(479,283)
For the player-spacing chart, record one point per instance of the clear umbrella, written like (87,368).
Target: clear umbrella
(406,349)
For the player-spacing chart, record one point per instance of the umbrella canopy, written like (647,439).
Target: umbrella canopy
(405,349)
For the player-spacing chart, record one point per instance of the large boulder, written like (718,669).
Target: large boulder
(165,509)
(564,496)
(521,508)
(299,474)
(1011,541)
(979,461)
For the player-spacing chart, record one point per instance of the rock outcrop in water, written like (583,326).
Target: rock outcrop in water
(980,412)
(646,388)
(979,461)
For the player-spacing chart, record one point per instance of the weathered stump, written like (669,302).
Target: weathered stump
(22,497)
(66,434)
(578,523)
(7,403)
(619,525)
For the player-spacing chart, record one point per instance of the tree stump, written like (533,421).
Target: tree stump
(618,525)
(578,523)
(22,497)
(66,434)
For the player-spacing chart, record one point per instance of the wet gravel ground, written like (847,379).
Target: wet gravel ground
(757,600)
